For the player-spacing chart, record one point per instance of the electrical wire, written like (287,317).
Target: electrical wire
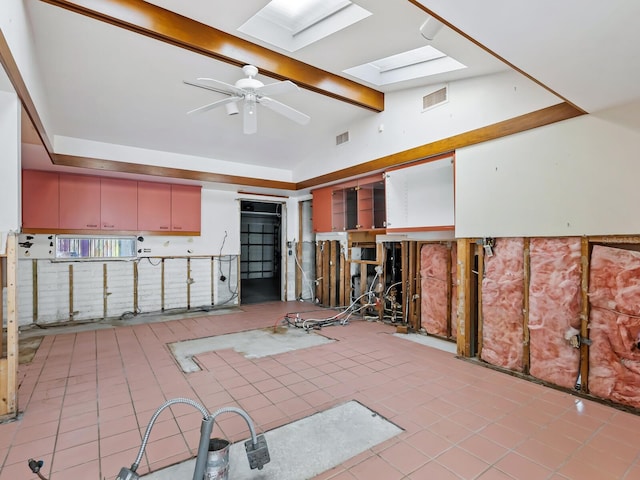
(340,318)
(304,274)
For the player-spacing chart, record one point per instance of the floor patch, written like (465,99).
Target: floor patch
(305,448)
(251,344)
(438,343)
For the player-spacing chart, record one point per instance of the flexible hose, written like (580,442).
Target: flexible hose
(168,403)
(243,414)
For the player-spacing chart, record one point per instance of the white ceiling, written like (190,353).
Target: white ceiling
(107,84)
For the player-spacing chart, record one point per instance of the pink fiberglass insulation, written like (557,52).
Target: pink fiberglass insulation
(434,278)
(614,325)
(502,304)
(454,290)
(554,309)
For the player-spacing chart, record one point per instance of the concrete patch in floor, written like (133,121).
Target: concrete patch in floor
(305,448)
(251,344)
(434,342)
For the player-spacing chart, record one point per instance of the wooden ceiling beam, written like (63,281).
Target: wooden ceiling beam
(166,26)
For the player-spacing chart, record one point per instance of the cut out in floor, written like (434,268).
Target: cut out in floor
(251,344)
(304,448)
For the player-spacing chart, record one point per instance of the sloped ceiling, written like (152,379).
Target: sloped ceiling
(109,84)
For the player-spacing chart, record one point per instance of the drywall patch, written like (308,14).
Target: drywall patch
(304,448)
(251,344)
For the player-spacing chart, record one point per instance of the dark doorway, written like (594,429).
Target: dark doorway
(260,255)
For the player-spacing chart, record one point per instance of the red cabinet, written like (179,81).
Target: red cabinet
(353,205)
(118,204)
(79,202)
(185,208)
(69,203)
(321,212)
(154,207)
(40,203)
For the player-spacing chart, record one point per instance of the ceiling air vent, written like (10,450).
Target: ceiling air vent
(435,98)
(342,138)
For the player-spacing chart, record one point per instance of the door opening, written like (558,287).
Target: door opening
(260,254)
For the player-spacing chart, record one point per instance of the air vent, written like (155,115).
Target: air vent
(435,98)
(342,138)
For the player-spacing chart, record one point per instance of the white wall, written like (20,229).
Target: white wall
(576,177)
(9,162)
(17,31)
(473,103)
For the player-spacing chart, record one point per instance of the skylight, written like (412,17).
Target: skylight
(293,24)
(417,63)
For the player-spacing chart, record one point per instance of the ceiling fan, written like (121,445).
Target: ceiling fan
(251,92)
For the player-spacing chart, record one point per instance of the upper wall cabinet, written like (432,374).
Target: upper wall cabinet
(79,202)
(321,211)
(154,207)
(359,205)
(421,196)
(169,208)
(354,205)
(67,203)
(40,199)
(185,208)
(117,199)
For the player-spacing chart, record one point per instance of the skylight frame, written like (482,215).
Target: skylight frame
(305,26)
(421,62)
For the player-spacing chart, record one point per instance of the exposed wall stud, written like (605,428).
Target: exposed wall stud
(105,291)
(526,352)
(135,287)
(162,285)
(479,319)
(334,247)
(584,315)
(9,366)
(70,292)
(189,280)
(34,300)
(449,291)
(464,272)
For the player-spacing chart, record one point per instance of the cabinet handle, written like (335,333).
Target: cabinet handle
(164,228)
(92,226)
(176,227)
(107,226)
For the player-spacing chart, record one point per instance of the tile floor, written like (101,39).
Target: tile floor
(87,398)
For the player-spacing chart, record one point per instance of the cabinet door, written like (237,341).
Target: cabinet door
(371,207)
(185,208)
(344,206)
(40,199)
(154,207)
(321,209)
(79,202)
(118,204)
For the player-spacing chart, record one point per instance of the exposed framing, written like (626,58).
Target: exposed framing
(467,248)
(9,362)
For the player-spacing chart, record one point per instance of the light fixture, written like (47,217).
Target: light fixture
(232,108)
(430,28)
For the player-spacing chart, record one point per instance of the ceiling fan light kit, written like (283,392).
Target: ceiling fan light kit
(251,92)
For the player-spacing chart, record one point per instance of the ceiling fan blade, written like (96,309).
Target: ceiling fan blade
(213,105)
(285,110)
(250,117)
(278,88)
(219,87)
